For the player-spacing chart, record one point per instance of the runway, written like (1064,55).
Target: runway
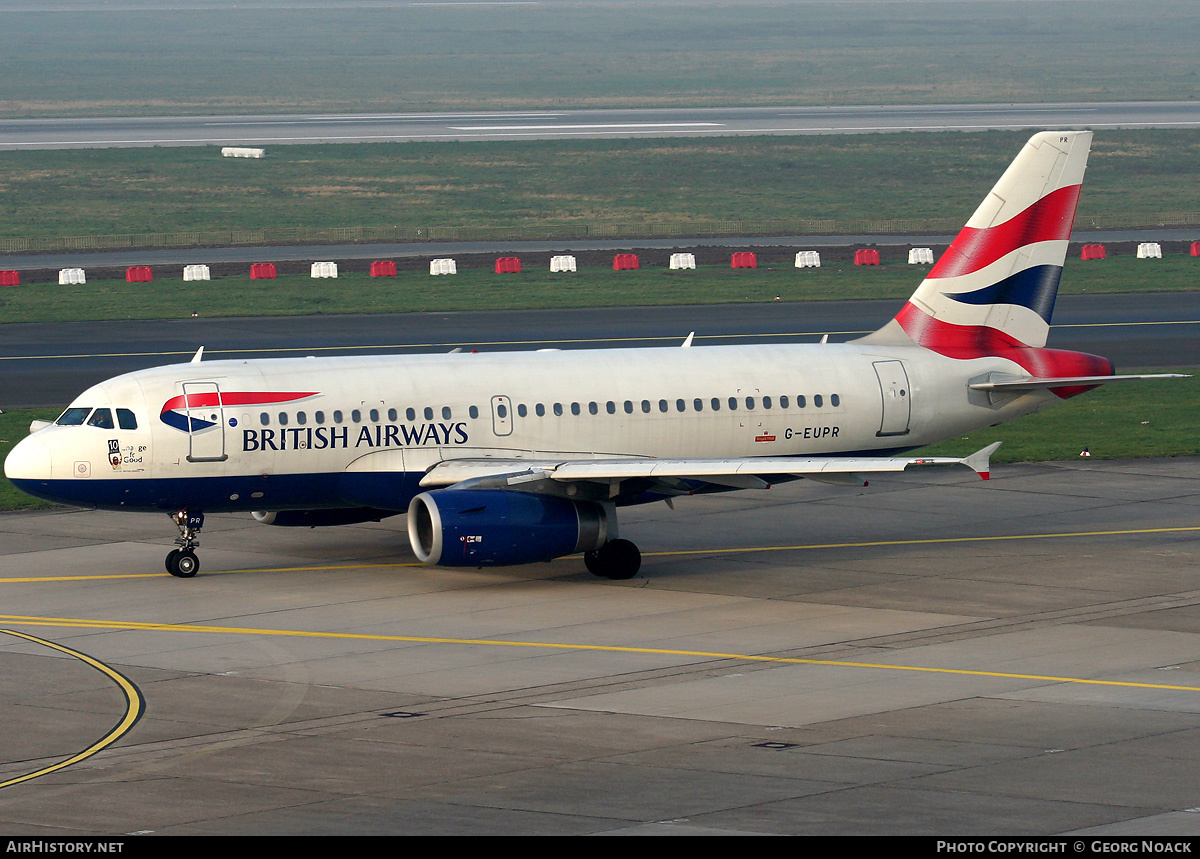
(933,655)
(50,364)
(259,131)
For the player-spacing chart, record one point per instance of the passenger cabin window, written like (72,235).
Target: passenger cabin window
(393,415)
(126,419)
(783,402)
(522,411)
(74,417)
(374,416)
(319,417)
(337,416)
(818,401)
(283,419)
(101,418)
(473,412)
(445,413)
(558,410)
(428,413)
(264,419)
(301,418)
(411,414)
(835,400)
(355,416)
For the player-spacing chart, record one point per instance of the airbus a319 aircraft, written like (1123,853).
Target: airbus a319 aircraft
(513,458)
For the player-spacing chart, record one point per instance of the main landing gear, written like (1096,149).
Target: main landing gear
(182,562)
(616,559)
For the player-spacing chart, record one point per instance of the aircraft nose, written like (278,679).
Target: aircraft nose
(29,460)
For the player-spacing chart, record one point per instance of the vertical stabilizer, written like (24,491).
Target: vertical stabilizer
(994,288)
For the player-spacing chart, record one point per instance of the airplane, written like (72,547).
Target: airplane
(520,457)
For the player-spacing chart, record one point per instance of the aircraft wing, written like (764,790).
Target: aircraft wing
(670,474)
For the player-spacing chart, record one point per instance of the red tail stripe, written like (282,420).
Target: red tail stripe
(964,342)
(1049,219)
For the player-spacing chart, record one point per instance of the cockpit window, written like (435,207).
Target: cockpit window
(101,418)
(74,416)
(126,419)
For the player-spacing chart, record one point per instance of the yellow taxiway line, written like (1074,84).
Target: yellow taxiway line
(135,705)
(136,626)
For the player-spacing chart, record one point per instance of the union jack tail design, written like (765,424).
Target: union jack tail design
(993,290)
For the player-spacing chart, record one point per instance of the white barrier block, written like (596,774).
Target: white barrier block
(920,256)
(71,275)
(562,263)
(442,266)
(1149,250)
(196,272)
(808,259)
(242,152)
(680,261)
(323,269)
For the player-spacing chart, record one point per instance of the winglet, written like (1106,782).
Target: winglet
(199,354)
(980,460)
(688,342)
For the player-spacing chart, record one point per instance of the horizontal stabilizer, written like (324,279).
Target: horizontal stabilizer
(1034,384)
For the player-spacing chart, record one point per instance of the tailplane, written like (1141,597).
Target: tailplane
(994,288)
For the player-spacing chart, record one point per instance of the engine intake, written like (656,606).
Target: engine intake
(493,527)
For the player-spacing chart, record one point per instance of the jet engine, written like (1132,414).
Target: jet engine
(495,527)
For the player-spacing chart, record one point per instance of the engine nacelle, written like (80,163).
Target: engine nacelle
(318,518)
(494,527)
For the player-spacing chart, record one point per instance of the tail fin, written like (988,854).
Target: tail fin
(994,288)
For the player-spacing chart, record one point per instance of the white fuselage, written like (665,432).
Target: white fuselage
(362,431)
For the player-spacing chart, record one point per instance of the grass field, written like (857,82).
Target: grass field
(535,287)
(1134,419)
(668,187)
(144,57)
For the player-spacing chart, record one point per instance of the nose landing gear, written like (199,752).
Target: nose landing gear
(182,562)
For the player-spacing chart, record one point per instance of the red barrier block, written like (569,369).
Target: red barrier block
(743,259)
(383,268)
(10,278)
(139,274)
(1196,249)
(508,265)
(1093,252)
(866,256)
(625,262)
(262,271)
